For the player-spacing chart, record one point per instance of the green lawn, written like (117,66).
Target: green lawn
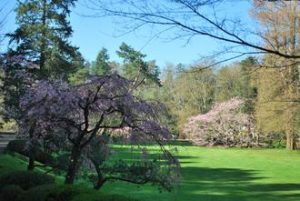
(219,174)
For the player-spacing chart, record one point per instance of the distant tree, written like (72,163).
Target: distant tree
(101,66)
(86,111)
(135,68)
(248,68)
(187,92)
(225,124)
(167,96)
(237,80)
(80,76)
(229,83)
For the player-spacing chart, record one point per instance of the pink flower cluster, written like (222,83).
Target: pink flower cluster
(224,124)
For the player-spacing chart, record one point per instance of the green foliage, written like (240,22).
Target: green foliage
(229,83)
(79,77)
(135,68)
(186,93)
(101,66)
(42,36)
(25,179)
(269,109)
(275,109)
(11,193)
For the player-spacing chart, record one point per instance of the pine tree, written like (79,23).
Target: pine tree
(136,68)
(101,66)
(42,36)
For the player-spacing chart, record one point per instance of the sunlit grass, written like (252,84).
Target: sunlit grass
(215,174)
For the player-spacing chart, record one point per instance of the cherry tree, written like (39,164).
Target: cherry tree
(79,115)
(224,124)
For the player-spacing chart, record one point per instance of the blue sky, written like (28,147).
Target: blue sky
(91,34)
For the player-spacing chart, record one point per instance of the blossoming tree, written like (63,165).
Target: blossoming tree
(225,124)
(80,115)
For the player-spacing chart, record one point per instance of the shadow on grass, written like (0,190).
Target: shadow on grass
(228,184)
(215,184)
(212,184)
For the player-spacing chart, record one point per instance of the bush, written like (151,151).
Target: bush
(49,193)
(25,179)
(18,146)
(11,193)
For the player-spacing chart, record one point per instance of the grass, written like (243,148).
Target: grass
(214,174)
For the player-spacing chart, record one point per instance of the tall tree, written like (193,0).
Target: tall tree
(101,66)
(42,36)
(136,68)
(40,46)
(280,22)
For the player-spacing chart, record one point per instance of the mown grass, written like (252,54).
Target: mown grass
(213,174)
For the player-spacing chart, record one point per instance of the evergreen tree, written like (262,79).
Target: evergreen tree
(101,66)
(42,36)
(136,68)
(38,46)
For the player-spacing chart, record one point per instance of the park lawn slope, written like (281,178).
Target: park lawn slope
(211,174)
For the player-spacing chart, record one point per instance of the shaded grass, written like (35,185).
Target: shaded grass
(210,174)
(227,174)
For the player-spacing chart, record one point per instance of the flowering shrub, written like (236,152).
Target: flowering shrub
(225,124)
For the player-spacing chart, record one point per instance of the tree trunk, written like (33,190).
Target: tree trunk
(43,40)
(290,137)
(257,138)
(291,110)
(30,165)
(100,178)
(290,141)
(99,183)
(73,165)
(32,150)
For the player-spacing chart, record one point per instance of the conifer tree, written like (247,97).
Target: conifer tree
(42,36)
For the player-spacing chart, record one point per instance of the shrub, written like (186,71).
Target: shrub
(225,124)
(18,146)
(11,193)
(49,193)
(25,179)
